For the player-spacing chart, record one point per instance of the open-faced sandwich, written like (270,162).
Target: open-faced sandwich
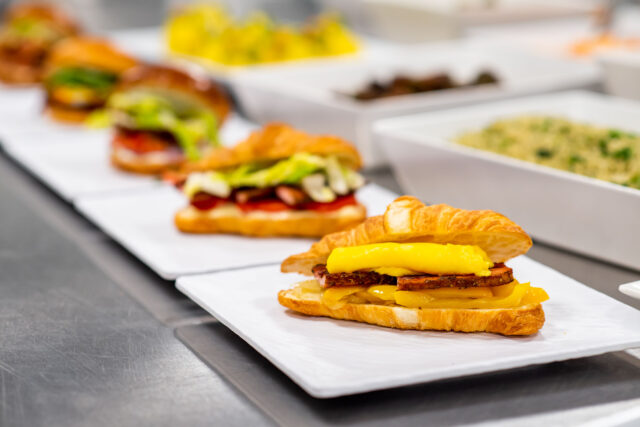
(164,117)
(81,73)
(420,267)
(28,32)
(278,182)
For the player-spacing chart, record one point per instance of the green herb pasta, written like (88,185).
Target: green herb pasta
(608,154)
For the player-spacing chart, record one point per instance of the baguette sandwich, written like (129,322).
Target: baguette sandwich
(420,267)
(27,34)
(278,182)
(163,118)
(81,73)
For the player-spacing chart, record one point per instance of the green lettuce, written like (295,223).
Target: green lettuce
(154,112)
(288,171)
(322,178)
(98,80)
(30,28)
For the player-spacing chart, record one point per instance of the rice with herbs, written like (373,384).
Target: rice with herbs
(609,154)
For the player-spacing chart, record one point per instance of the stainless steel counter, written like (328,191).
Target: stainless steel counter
(89,336)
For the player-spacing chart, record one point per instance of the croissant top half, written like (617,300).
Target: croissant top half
(407,219)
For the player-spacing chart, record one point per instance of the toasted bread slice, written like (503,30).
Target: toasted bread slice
(276,141)
(524,320)
(15,74)
(66,115)
(144,164)
(229,219)
(407,219)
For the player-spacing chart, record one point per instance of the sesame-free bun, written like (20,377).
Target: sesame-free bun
(276,141)
(179,84)
(229,219)
(89,52)
(407,219)
(523,320)
(44,12)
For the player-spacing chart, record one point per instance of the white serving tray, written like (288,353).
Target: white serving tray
(32,127)
(578,213)
(312,97)
(330,358)
(142,222)
(76,163)
(16,101)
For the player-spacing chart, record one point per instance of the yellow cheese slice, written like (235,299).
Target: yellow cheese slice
(430,258)
(506,296)
(334,297)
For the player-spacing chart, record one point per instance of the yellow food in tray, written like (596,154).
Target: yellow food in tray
(211,33)
(608,154)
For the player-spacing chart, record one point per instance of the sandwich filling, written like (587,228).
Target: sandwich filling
(26,40)
(80,88)
(417,275)
(151,121)
(301,182)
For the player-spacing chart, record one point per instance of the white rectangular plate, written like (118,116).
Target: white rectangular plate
(330,358)
(76,163)
(32,127)
(143,223)
(19,101)
(582,214)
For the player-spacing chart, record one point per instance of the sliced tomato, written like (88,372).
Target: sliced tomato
(269,205)
(205,201)
(338,203)
(140,142)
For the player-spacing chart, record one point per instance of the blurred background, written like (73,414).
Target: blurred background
(370,16)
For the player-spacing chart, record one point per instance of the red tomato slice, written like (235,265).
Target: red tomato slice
(264,205)
(338,203)
(205,201)
(140,142)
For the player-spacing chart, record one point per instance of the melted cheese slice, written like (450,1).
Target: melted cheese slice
(400,259)
(511,295)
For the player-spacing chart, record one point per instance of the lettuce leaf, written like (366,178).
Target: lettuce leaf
(83,77)
(322,178)
(153,112)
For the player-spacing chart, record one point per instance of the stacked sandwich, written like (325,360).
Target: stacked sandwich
(81,73)
(27,34)
(278,182)
(163,118)
(420,267)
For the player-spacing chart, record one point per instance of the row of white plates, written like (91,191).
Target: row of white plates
(237,278)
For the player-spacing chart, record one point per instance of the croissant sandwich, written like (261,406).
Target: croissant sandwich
(163,118)
(420,267)
(81,73)
(27,34)
(278,182)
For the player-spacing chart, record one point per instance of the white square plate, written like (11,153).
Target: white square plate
(330,358)
(143,223)
(549,203)
(76,163)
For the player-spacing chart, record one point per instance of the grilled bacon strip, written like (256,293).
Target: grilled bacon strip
(500,275)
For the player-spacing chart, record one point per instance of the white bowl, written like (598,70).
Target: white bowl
(583,214)
(621,72)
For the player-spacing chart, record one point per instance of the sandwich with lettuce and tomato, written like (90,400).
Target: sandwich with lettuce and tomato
(163,118)
(27,34)
(278,182)
(81,73)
